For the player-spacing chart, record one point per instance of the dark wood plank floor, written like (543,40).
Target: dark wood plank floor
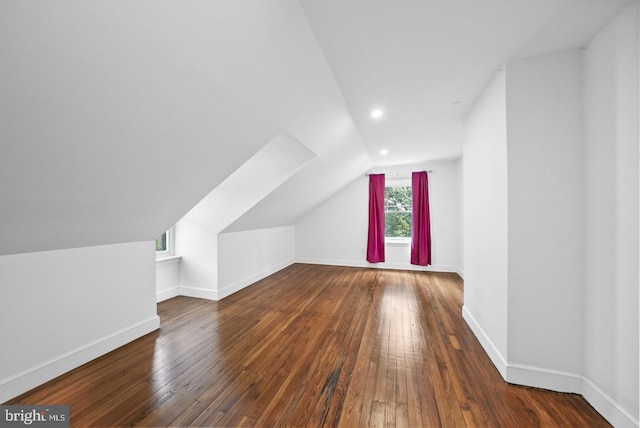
(311,346)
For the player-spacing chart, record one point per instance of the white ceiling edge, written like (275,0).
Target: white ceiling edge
(572,27)
(272,165)
(318,180)
(411,167)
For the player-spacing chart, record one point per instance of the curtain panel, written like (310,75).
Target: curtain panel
(375,241)
(420,221)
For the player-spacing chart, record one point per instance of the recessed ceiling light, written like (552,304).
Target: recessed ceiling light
(384,152)
(376,114)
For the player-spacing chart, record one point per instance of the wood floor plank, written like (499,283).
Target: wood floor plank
(311,346)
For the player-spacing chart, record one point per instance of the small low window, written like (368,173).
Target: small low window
(164,244)
(161,242)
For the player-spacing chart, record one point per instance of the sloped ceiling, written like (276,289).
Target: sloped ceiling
(272,165)
(117,117)
(425,62)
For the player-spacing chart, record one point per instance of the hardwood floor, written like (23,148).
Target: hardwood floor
(311,346)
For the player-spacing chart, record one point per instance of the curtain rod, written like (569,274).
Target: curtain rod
(395,174)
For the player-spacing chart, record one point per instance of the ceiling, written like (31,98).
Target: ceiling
(118,117)
(425,62)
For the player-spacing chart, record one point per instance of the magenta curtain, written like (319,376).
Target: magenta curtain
(420,222)
(375,241)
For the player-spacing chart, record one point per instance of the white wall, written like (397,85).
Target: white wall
(546,220)
(167,278)
(485,220)
(249,256)
(197,232)
(243,258)
(197,244)
(565,289)
(461,204)
(336,231)
(611,181)
(60,309)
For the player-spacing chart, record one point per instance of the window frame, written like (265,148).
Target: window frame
(395,240)
(170,251)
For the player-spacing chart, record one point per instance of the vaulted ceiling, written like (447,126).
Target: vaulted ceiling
(117,117)
(425,62)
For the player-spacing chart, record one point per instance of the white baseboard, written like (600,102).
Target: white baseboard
(385,265)
(561,381)
(523,374)
(613,412)
(489,347)
(239,285)
(163,295)
(211,294)
(24,381)
(541,377)
(555,380)
(200,293)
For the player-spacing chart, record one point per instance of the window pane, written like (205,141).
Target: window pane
(161,242)
(397,202)
(398,225)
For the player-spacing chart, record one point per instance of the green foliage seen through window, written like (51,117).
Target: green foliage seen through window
(397,211)
(161,242)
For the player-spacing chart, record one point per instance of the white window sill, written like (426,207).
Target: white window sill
(167,259)
(397,242)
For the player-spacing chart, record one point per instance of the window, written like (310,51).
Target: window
(164,244)
(161,242)
(397,212)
